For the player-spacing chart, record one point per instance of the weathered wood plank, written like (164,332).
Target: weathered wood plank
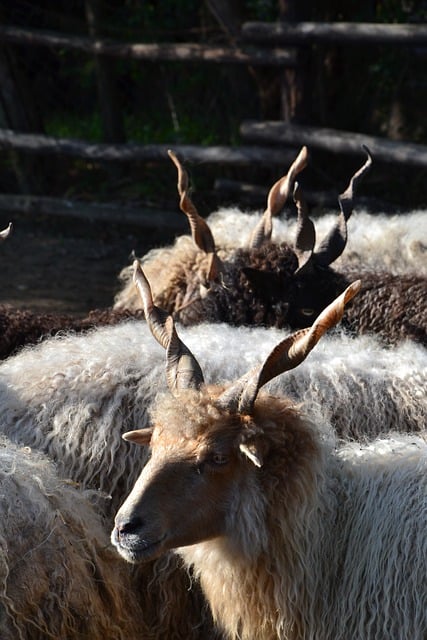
(282,33)
(258,194)
(187,52)
(40,144)
(281,133)
(108,213)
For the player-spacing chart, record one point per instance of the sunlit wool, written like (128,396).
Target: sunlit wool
(74,395)
(321,541)
(59,577)
(391,303)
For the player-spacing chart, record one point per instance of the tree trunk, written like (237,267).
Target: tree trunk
(295,82)
(111,116)
(17,112)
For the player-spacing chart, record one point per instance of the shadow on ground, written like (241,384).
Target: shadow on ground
(49,265)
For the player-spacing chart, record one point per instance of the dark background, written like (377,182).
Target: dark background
(72,264)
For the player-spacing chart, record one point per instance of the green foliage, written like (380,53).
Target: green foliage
(371,89)
(72,125)
(261,10)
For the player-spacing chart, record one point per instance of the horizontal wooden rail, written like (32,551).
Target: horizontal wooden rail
(335,141)
(283,33)
(256,196)
(91,212)
(189,52)
(47,145)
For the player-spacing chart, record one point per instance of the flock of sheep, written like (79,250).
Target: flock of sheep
(295,511)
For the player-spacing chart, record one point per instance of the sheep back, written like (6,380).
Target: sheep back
(59,577)
(21,327)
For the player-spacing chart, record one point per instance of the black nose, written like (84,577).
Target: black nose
(127,526)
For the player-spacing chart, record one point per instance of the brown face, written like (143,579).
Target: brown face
(182,495)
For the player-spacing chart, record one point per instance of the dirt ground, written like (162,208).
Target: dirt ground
(52,265)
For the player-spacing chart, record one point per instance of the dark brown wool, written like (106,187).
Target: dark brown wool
(260,287)
(20,327)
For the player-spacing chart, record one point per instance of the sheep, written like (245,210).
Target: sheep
(276,285)
(66,407)
(193,263)
(72,396)
(291,535)
(59,576)
(377,241)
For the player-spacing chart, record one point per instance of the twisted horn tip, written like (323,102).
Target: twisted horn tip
(368,153)
(138,273)
(352,290)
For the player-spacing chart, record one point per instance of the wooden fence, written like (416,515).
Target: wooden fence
(267,143)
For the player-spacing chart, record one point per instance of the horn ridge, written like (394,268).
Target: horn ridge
(200,231)
(333,244)
(182,369)
(276,200)
(305,237)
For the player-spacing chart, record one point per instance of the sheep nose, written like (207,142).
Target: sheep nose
(126,525)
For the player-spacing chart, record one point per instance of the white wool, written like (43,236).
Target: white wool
(360,541)
(396,243)
(379,545)
(59,577)
(73,396)
(381,389)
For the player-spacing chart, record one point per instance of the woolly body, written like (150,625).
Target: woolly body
(59,577)
(396,243)
(21,327)
(391,306)
(377,241)
(73,396)
(318,542)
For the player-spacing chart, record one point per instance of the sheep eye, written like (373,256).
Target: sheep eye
(219,459)
(305,311)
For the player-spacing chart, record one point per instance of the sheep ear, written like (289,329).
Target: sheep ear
(252,452)
(139,436)
(252,444)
